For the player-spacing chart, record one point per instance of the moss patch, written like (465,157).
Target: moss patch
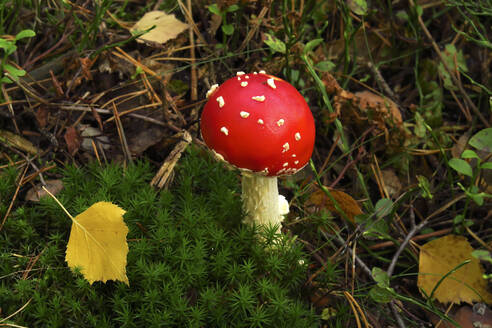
(191,262)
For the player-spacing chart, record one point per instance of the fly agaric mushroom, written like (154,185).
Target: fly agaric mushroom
(261,125)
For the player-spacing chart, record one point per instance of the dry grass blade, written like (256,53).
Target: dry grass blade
(121,134)
(161,178)
(15,313)
(356,309)
(19,184)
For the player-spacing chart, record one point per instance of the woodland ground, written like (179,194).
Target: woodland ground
(397,89)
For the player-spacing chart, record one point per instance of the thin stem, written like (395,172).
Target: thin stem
(261,200)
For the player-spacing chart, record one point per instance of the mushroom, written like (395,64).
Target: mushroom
(265,129)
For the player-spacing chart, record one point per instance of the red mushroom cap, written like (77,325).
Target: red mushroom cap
(260,123)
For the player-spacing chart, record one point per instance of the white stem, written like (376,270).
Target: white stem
(261,200)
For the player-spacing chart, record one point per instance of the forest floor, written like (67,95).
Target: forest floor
(401,94)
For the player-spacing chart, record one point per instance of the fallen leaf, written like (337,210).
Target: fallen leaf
(346,203)
(17,141)
(73,140)
(89,134)
(97,243)
(167,27)
(439,257)
(388,109)
(86,65)
(42,116)
(37,192)
(391,182)
(364,109)
(214,24)
(460,145)
(466,317)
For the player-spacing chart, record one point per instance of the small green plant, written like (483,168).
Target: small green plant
(227,29)
(8,47)
(486,256)
(381,292)
(480,141)
(275,44)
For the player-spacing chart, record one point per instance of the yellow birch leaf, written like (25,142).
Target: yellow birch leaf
(97,243)
(167,27)
(440,256)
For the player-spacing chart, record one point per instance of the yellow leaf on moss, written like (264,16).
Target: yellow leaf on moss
(97,243)
(440,256)
(167,27)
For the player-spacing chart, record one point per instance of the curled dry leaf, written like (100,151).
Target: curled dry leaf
(364,109)
(89,134)
(42,115)
(387,108)
(86,65)
(438,258)
(73,139)
(37,192)
(346,203)
(167,27)
(391,182)
(460,145)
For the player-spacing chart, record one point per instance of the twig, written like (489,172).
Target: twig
(253,30)
(171,126)
(16,312)
(351,302)
(63,38)
(397,316)
(414,230)
(161,178)
(343,243)
(121,134)
(26,89)
(416,238)
(19,184)
(360,153)
(169,99)
(380,79)
(189,18)
(11,109)
(194,89)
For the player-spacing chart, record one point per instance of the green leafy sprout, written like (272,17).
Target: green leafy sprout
(480,141)
(227,29)
(8,47)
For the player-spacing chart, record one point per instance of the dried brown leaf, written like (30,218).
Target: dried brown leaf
(388,109)
(42,116)
(72,139)
(346,203)
(391,182)
(37,192)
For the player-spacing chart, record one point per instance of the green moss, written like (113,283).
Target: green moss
(191,262)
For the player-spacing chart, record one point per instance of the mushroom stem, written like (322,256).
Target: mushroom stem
(261,200)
